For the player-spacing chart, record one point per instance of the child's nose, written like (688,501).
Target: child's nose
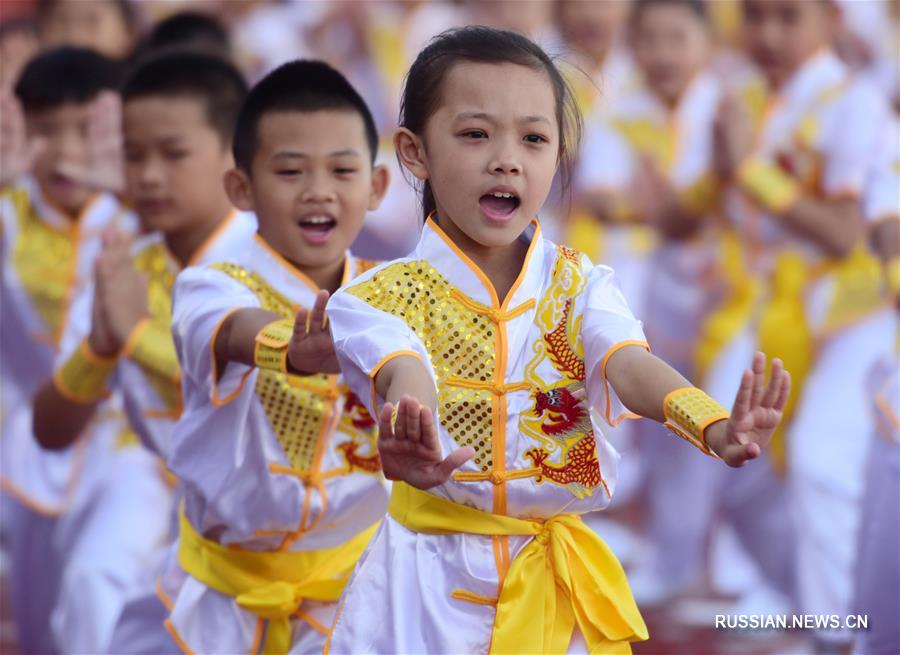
(318,189)
(505,158)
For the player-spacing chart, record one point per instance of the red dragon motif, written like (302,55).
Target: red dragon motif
(368,464)
(357,412)
(560,351)
(566,413)
(580,466)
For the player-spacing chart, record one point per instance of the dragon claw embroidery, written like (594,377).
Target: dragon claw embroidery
(355,461)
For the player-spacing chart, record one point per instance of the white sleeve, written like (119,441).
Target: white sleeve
(201,299)
(365,339)
(859,124)
(606,162)
(882,198)
(607,325)
(78,323)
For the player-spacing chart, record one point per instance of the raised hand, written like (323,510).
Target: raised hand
(732,137)
(758,409)
(409,447)
(121,289)
(105,170)
(311,349)
(17,153)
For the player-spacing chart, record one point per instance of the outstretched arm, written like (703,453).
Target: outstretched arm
(258,337)
(644,382)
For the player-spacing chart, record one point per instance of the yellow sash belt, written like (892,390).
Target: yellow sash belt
(565,575)
(271,585)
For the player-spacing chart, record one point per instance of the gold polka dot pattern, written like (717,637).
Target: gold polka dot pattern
(298,408)
(460,343)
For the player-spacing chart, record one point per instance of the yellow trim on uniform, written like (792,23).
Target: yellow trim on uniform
(271,585)
(565,576)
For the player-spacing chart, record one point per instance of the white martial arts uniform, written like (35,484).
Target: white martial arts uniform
(119,546)
(822,129)
(46,257)
(268,462)
(515,381)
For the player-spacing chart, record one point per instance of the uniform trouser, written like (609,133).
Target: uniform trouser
(113,538)
(828,445)
(878,572)
(35,569)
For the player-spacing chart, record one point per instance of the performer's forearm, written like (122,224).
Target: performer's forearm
(642,381)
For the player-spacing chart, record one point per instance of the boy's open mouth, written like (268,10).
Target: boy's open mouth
(316,228)
(499,205)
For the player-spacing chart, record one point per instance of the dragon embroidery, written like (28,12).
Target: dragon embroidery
(559,418)
(356,415)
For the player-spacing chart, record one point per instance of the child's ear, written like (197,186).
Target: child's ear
(237,186)
(381,177)
(411,152)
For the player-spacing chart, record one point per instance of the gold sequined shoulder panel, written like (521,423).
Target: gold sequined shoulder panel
(299,409)
(44,259)
(459,340)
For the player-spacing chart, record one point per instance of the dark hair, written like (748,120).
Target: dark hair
(698,7)
(188,30)
(125,8)
(304,86)
(63,75)
(211,80)
(422,88)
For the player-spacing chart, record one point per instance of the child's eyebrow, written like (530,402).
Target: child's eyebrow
(290,154)
(349,152)
(480,115)
(293,154)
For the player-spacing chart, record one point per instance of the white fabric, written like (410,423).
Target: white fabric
(399,598)
(878,574)
(827,451)
(108,563)
(37,485)
(222,452)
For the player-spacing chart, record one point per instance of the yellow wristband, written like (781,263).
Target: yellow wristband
(768,185)
(82,378)
(150,344)
(689,411)
(272,342)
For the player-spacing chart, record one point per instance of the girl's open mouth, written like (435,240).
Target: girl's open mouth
(499,205)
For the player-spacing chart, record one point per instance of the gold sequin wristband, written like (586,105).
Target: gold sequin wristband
(272,345)
(150,344)
(768,185)
(689,411)
(82,378)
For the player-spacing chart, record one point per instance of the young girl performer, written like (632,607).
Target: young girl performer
(494,345)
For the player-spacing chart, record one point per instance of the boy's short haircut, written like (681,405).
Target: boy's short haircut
(304,86)
(126,10)
(188,30)
(212,80)
(62,75)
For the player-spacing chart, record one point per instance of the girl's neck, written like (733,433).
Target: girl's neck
(500,264)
